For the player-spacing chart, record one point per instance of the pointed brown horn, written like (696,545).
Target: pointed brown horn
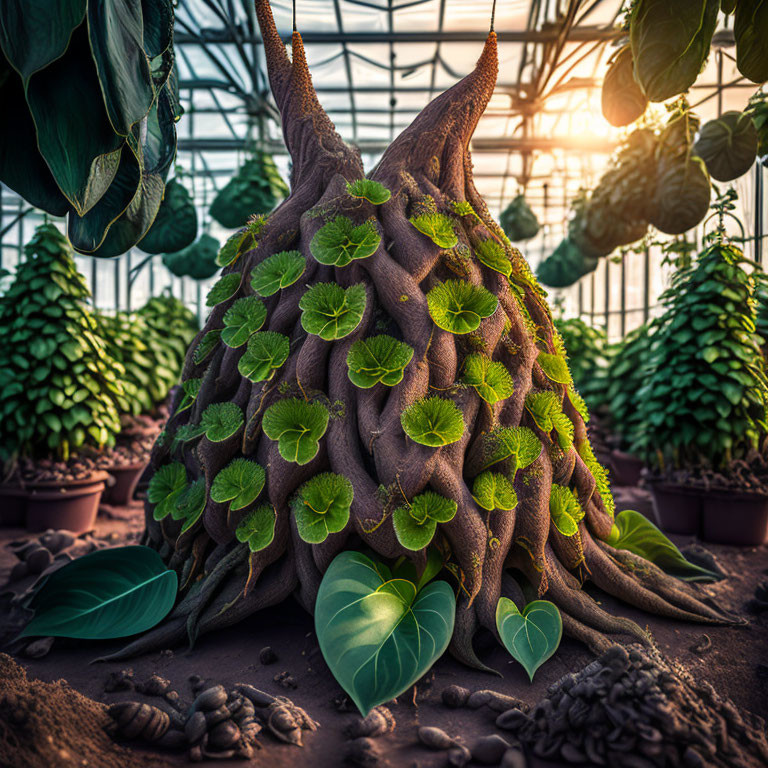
(447,123)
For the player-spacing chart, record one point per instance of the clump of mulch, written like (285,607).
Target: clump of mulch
(634,709)
(50,724)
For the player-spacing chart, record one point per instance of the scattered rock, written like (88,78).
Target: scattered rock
(39,648)
(514,758)
(454,696)
(119,681)
(362,753)
(154,686)
(378,722)
(38,560)
(458,756)
(435,738)
(286,680)
(195,727)
(489,750)
(267,656)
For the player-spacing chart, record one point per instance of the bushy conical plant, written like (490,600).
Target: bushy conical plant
(61,387)
(342,457)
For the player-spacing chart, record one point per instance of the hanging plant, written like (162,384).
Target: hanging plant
(90,104)
(623,100)
(750,24)
(61,388)
(727,145)
(175,226)
(518,221)
(256,188)
(197,261)
(565,265)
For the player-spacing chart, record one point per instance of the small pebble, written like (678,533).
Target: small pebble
(458,756)
(361,753)
(267,655)
(435,738)
(454,696)
(489,750)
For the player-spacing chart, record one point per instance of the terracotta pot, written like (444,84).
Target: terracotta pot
(13,506)
(126,477)
(736,518)
(626,468)
(678,508)
(70,505)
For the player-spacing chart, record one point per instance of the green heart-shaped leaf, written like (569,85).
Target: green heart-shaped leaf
(459,307)
(242,320)
(331,312)
(380,359)
(190,504)
(105,594)
(433,421)
(277,272)
(378,635)
(257,528)
(206,345)
(165,487)
(339,241)
(491,490)
(635,533)
(531,636)
(221,420)
(491,379)
(265,353)
(518,445)
(239,483)
(565,510)
(437,227)
(494,256)
(297,426)
(547,411)
(370,190)
(224,288)
(321,506)
(555,367)
(415,525)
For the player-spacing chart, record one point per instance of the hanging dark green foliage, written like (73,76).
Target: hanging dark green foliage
(750,28)
(705,398)
(623,100)
(728,145)
(175,226)
(670,43)
(197,261)
(758,111)
(89,111)
(565,265)
(256,188)
(518,221)
(61,387)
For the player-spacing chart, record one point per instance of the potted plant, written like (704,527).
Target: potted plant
(61,389)
(625,376)
(703,407)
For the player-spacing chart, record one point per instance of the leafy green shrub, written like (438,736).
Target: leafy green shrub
(151,366)
(586,347)
(173,324)
(624,377)
(61,388)
(90,103)
(705,399)
(256,188)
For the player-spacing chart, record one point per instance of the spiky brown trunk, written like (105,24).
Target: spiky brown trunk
(427,166)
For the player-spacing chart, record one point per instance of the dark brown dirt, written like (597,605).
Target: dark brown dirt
(231,656)
(46,725)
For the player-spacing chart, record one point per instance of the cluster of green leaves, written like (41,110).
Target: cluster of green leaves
(416,523)
(151,366)
(321,506)
(586,347)
(546,408)
(173,325)
(339,242)
(197,260)
(175,226)
(671,42)
(90,102)
(379,359)
(704,401)
(172,493)
(459,307)
(433,421)
(256,188)
(518,221)
(61,387)
(624,377)
(380,632)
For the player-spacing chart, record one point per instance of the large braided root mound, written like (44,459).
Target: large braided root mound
(427,168)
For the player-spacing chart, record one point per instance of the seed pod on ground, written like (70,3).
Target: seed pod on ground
(435,738)
(224,735)
(255,696)
(250,728)
(489,750)
(512,720)
(195,727)
(134,720)
(154,685)
(458,756)
(38,560)
(378,722)
(283,725)
(361,753)
(215,716)
(173,739)
(39,648)
(454,696)
(210,699)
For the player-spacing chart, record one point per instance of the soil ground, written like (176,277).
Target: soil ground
(736,664)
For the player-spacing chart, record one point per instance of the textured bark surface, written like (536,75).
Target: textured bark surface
(427,167)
